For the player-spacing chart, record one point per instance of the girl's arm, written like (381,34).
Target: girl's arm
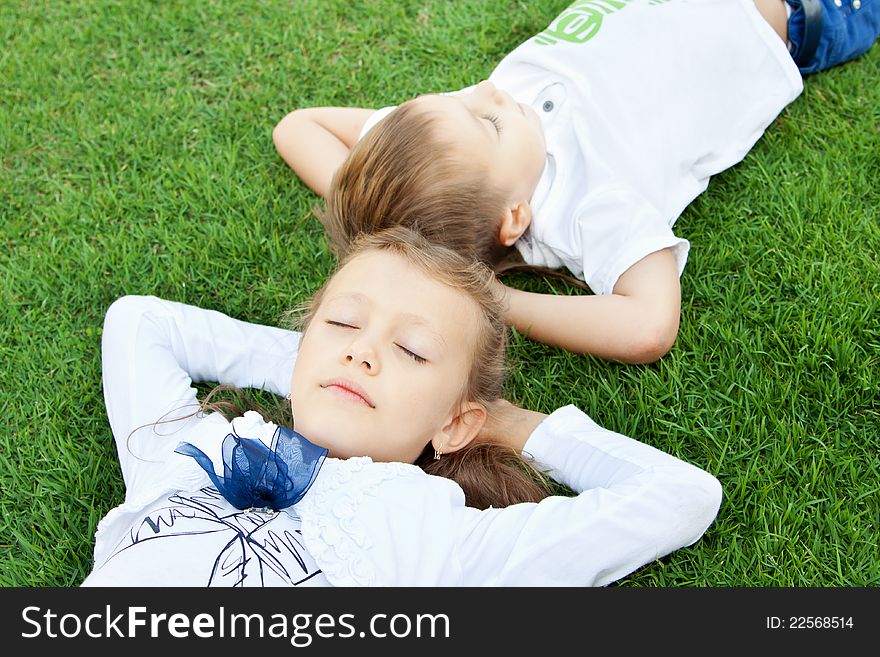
(635,504)
(154,350)
(638,323)
(315,141)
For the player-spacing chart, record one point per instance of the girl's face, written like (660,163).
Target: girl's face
(490,127)
(383,363)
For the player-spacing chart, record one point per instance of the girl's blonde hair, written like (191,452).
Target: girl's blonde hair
(402,174)
(490,474)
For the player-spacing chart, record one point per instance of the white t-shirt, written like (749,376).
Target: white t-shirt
(361,523)
(641,102)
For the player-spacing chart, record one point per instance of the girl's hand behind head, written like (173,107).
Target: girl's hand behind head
(508,424)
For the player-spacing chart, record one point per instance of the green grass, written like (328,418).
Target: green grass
(136,158)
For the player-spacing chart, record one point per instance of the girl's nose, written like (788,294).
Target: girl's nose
(362,354)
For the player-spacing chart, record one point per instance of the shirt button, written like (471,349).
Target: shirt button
(838,3)
(547,106)
(857,4)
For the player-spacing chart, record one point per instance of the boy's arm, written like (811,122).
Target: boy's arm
(638,323)
(315,141)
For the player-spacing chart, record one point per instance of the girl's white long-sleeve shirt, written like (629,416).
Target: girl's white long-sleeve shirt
(361,523)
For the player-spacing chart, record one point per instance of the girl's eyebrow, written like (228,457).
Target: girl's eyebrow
(422,323)
(351,296)
(410,319)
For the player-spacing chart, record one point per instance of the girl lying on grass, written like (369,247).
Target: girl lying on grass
(401,466)
(580,151)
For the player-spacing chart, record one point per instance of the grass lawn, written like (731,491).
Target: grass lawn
(136,158)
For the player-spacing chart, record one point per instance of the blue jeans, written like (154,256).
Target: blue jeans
(847,31)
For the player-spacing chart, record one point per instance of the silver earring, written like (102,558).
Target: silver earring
(437,454)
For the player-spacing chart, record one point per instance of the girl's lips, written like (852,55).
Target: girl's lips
(349,390)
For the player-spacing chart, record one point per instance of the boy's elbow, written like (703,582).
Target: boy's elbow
(282,129)
(278,135)
(276,132)
(652,341)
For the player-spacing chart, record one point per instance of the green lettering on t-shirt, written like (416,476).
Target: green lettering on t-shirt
(581,21)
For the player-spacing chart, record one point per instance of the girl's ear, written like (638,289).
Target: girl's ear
(514,222)
(461,429)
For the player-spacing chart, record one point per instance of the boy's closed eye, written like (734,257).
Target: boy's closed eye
(495,121)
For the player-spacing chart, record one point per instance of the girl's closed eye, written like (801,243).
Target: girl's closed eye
(346,325)
(412,354)
(333,322)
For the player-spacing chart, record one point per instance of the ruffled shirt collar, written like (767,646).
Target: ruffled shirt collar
(365,523)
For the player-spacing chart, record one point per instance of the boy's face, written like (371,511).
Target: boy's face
(491,128)
(382,365)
